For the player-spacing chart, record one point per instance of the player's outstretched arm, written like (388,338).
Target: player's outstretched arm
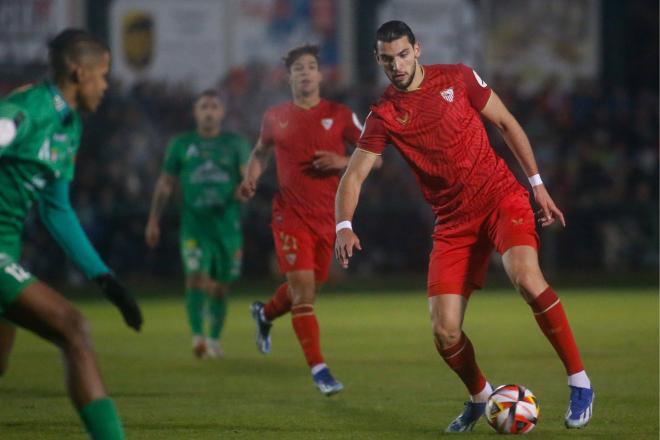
(162,193)
(346,201)
(255,167)
(514,136)
(62,222)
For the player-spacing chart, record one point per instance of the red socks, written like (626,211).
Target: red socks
(460,358)
(550,316)
(279,304)
(307,330)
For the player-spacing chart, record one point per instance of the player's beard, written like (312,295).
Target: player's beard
(410,80)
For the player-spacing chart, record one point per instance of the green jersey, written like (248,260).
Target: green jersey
(209,169)
(47,131)
(39,138)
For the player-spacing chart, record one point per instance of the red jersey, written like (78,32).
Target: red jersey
(438,130)
(305,194)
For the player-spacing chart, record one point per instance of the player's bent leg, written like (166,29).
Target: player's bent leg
(195,302)
(521,265)
(43,311)
(455,348)
(303,295)
(217,309)
(7,336)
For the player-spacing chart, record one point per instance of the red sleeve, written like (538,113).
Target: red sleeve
(352,127)
(478,91)
(374,135)
(266,134)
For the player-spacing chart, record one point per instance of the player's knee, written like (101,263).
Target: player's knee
(303,295)
(527,282)
(76,331)
(446,334)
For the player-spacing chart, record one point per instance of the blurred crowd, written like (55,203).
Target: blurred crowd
(597,150)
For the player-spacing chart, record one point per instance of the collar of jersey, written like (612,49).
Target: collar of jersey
(59,103)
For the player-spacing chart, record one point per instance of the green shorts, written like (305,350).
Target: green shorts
(13,279)
(212,244)
(220,261)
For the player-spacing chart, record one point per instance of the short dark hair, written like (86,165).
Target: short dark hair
(393,30)
(297,52)
(69,46)
(210,93)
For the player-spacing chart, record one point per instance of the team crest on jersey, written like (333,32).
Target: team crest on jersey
(403,119)
(448,94)
(291,258)
(327,123)
(192,151)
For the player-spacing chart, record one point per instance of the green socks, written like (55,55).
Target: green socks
(195,308)
(217,313)
(101,420)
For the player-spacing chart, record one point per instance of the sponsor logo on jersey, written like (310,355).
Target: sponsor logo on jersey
(481,82)
(283,124)
(208,172)
(517,221)
(404,119)
(448,94)
(327,123)
(60,137)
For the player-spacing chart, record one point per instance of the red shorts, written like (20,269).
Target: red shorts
(304,249)
(459,259)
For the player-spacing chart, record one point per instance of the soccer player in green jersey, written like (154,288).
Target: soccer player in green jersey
(40,132)
(209,165)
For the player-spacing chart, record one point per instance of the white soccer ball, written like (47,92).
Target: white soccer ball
(512,409)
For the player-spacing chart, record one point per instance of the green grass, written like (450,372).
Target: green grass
(379,345)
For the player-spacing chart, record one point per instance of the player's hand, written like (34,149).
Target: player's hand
(152,233)
(118,295)
(548,212)
(346,241)
(246,189)
(329,161)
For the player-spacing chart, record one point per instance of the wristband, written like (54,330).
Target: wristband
(535,180)
(346,224)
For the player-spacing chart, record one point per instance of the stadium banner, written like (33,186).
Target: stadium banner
(448,31)
(168,40)
(197,41)
(27,25)
(536,40)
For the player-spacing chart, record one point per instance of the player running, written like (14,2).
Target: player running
(309,136)
(431,115)
(40,132)
(208,163)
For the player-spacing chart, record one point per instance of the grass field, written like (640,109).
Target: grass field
(379,345)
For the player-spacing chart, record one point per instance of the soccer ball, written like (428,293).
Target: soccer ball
(512,409)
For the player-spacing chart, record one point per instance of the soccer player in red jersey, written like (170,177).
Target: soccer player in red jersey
(309,136)
(431,114)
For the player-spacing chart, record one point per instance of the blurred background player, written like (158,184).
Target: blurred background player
(40,131)
(208,164)
(431,115)
(309,136)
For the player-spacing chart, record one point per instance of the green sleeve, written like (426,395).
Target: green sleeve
(172,162)
(61,221)
(19,117)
